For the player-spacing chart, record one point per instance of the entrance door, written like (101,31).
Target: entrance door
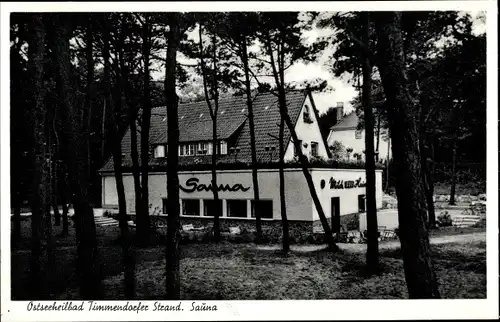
(335,206)
(361,203)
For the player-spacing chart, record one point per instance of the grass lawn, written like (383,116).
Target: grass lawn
(241,271)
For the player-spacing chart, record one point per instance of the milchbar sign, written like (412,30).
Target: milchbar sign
(344,184)
(192,186)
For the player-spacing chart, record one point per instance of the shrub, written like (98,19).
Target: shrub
(444,219)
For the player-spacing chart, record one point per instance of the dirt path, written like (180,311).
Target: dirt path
(464,238)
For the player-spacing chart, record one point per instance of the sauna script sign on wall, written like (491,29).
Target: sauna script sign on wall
(343,184)
(192,185)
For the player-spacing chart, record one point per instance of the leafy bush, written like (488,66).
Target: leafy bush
(444,219)
(338,150)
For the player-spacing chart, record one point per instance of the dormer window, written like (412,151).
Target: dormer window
(160,151)
(307,114)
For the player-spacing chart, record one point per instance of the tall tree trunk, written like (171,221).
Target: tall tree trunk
(377,147)
(372,260)
(40,200)
(386,189)
(15,146)
(88,266)
(128,258)
(135,165)
(87,112)
(419,272)
(55,167)
(16,229)
(453,173)
(213,115)
(284,219)
(255,178)
(54,199)
(143,222)
(430,187)
(65,210)
(217,206)
(172,251)
(279,79)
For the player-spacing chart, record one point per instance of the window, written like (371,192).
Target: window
(181,149)
(210,148)
(164,206)
(357,134)
(191,149)
(160,151)
(314,149)
(223,147)
(236,208)
(361,203)
(307,114)
(266,208)
(209,207)
(191,207)
(295,151)
(202,148)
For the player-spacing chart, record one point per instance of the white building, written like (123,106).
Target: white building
(341,191)
(346,132)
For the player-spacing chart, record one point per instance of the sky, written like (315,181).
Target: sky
(342,87)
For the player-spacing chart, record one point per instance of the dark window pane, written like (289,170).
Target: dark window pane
(190,207)
(209,207)
(266,208)
(236,208)
(164,204)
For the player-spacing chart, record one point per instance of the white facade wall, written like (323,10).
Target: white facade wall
(348,139)
(348,197)
(307,132)
(299,202)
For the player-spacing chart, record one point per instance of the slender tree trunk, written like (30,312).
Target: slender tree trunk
(419,272)
(55,171)
(372,255)
(55,206)
(128,258)
(135,165)
(255,178)
(15,147)
(453,174)
(40,193)
(388,160)
(430,185)
(284,219)
(213,115)
(88,266)
(217,206)
(377,148)
(64,201)
(425,160)
(172,251)
(143,222)
(279,79)
(16,229)
(87,112)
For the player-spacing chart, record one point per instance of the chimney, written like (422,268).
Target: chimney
(340,111)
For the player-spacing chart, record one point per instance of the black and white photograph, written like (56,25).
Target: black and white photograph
(172,159)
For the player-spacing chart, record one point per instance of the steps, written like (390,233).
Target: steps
(462,221)
(105,221)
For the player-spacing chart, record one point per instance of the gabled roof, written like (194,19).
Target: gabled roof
(348,122)
(231,123)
